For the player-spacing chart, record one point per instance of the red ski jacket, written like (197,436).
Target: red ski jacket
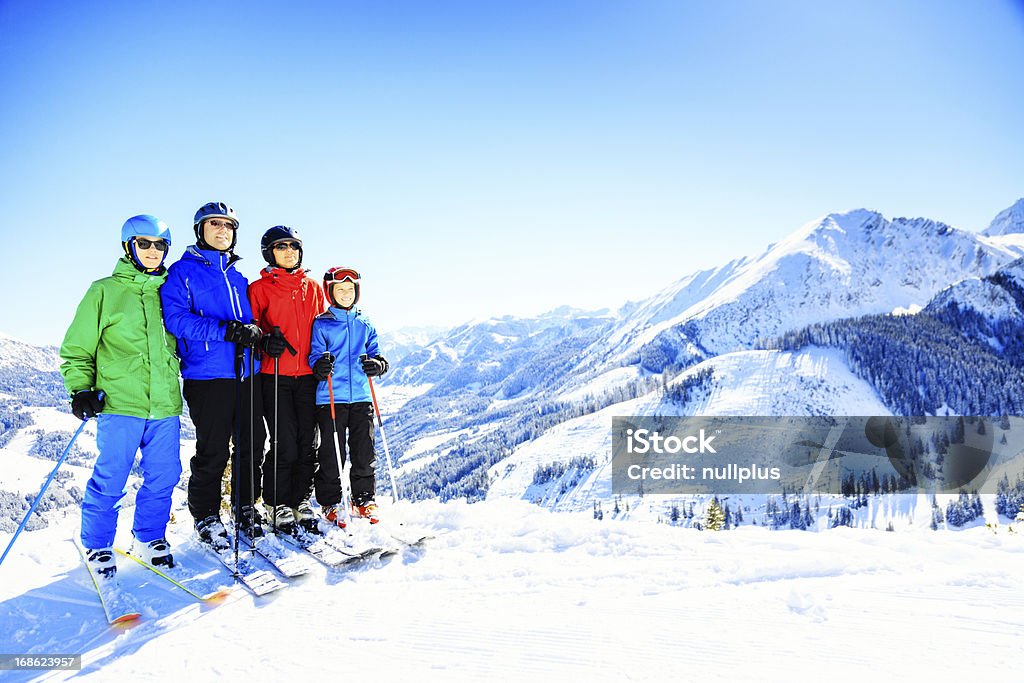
(289,301)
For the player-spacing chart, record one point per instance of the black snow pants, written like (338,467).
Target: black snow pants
(213,406)
(357,420)
(296,439)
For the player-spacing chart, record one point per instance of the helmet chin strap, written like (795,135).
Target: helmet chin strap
(133,256)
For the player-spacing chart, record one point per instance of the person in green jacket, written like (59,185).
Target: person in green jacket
(119,365)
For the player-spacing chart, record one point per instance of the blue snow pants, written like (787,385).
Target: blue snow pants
(119,438)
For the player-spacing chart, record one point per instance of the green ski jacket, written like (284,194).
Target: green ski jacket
(118,344)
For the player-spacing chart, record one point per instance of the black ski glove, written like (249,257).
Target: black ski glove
(374,367)
(323,367)
(86,404)
(274,345)
(240,333)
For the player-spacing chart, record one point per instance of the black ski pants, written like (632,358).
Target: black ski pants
(215,410)
(357,420)
(295,436)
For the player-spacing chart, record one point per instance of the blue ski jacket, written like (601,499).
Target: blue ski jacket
(347,335)
(202,293)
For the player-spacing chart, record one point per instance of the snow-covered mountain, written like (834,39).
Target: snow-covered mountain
(15,353)
(403,341)
(483,352)
(992,297)
(843,265)
(1008,222)
(492,374)
(809,382)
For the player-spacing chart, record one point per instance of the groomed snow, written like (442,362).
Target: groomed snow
(508,591)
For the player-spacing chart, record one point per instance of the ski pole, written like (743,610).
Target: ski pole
(46,484)
(337,445)
(236,473)
(252,446)
(383,436)
(277,362)
(277,375)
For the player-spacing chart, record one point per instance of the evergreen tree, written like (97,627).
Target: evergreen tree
(714,516)
(937,519)
(796,517)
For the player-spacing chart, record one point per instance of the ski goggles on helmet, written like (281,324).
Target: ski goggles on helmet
(144,244)
(341,275)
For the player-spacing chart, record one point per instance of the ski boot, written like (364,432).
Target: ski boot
(101,562)
(156,553)
(335,514)
(212,532)
(281,517)
(368,510)
(305,517)
(251,524)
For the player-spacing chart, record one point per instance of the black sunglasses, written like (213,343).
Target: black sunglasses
(142,243)
(281,246)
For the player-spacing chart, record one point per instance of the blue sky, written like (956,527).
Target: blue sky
(490,158)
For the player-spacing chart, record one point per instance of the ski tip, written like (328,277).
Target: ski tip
(129,618)
(217,597)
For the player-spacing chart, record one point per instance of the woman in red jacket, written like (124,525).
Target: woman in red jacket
(284,302)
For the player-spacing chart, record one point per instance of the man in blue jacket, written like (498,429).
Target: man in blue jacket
(206,308)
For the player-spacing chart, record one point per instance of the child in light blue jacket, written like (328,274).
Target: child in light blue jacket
(344,354)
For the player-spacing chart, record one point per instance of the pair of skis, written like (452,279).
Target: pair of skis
(290,555)
(120,607)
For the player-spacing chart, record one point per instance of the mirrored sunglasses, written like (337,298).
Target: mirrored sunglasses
(220,225)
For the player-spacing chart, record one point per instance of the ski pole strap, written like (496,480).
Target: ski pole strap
(278,333)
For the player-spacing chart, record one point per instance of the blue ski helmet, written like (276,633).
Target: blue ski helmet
(143,225)
(214,210)
(279,233)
